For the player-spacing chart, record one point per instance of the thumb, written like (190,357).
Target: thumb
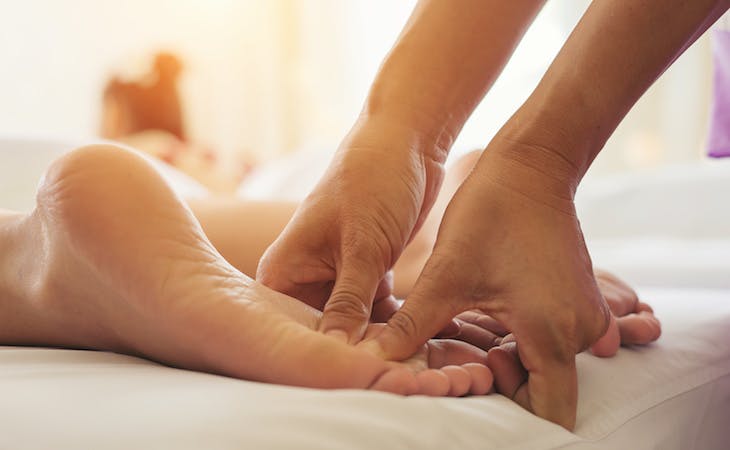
(347,311)
(421,317)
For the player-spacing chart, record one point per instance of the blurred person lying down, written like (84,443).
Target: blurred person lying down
(147,113)
(112,259)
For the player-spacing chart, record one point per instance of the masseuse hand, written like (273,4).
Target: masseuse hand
(511,246)
(344,238)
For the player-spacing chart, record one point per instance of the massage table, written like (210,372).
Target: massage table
(667,232)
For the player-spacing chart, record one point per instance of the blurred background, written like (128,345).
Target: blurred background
(263,79)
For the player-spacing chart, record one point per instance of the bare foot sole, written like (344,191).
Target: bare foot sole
(112,260)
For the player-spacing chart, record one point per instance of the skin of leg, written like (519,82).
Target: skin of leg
(240,240)
(111,259)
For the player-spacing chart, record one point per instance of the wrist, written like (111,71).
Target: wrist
(550,148)
(562,119)
(531,165)
(395,130)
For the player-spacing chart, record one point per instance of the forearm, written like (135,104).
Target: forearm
(447,57)
(619,48)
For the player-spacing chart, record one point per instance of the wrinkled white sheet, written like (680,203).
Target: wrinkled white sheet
(668,228)
(674,394)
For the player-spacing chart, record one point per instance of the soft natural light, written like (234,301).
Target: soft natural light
(265,78)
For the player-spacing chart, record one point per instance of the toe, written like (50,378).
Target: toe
(481,378)
(459,379)
(433,382)
(639,329)
(397,381)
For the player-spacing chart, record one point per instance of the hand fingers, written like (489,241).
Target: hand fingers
(484,321)
(509,375)
(425,312)
(409,328)
(550,389)
(347,311)
(478,336)
(451,330)
(552,393)
(384,309)
(385,304)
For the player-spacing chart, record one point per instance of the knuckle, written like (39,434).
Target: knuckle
(347,305)
(365,250)
(404,323)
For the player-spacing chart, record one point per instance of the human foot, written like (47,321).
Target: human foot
(114,261)
(632,323)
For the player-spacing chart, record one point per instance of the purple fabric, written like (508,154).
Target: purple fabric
(718,143)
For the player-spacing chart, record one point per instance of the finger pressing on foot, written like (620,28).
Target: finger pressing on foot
(510,376)
(451,330)
(478,336)
(483,321)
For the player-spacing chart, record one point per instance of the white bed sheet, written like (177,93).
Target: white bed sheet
(674,394)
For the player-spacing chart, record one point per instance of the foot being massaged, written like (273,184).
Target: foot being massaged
(111,259)
(493,265)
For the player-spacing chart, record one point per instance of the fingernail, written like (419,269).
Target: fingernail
(337,334)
